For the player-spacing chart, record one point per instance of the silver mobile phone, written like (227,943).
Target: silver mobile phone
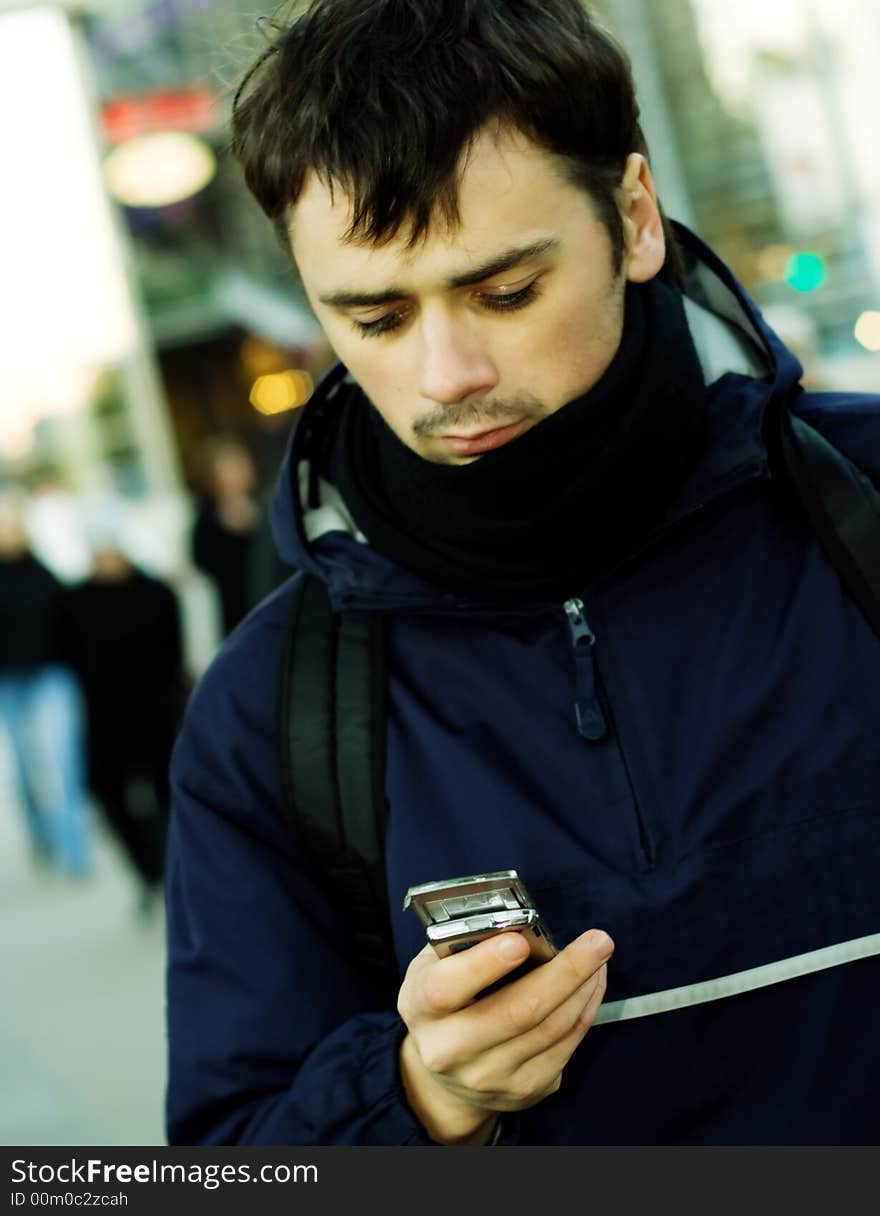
(459,912)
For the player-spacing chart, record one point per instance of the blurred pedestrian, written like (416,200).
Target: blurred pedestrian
(122,630)
(40,705)
(227,525)
(55,523)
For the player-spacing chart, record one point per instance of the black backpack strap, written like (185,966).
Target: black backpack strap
(330,721)
(842,504)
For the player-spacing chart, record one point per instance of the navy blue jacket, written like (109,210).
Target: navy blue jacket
(725,832)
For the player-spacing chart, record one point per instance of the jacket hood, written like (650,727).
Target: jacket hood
(738,351)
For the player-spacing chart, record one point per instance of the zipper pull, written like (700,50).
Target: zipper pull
(588,713)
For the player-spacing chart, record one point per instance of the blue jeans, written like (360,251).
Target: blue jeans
(42,715)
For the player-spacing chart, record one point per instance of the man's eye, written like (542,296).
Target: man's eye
(508,301)
(382,325)
(512,300)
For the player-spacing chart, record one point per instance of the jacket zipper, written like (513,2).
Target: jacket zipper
(591,719)
(588,713)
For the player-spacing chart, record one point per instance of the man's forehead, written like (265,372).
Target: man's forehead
(324,212)
(321,199)
(504,179)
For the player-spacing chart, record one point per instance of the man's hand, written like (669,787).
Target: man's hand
(464,1059)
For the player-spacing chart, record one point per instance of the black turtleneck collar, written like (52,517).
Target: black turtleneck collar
(537,517)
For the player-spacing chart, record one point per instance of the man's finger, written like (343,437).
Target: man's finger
(532,1064)
(444,985)
(565,1025)
(551,1062)
(534,997)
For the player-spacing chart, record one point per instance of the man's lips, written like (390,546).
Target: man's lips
(482,441)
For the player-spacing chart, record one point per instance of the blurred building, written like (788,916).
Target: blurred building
(80,395)
(802,75)
(222,301)
(722,158)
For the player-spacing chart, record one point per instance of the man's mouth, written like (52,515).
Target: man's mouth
(475,442)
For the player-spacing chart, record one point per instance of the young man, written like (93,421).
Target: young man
(618,661)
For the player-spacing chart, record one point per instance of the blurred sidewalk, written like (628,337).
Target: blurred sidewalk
(82,1041)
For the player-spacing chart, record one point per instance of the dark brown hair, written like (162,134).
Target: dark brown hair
(384,96)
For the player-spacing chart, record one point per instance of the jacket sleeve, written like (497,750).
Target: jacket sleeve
(274,1036)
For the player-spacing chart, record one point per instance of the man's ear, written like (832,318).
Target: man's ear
(642,226)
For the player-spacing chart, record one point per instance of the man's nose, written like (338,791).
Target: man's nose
(455,365)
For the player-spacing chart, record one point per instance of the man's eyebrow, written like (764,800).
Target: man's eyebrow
(507,260)
(504,261)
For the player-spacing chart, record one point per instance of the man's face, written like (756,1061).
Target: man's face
(470,338)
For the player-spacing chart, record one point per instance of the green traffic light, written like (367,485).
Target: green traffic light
(806,271)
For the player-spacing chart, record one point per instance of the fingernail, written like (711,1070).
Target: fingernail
(600,943)
(510,946)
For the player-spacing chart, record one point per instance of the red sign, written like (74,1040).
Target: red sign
(190,109)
